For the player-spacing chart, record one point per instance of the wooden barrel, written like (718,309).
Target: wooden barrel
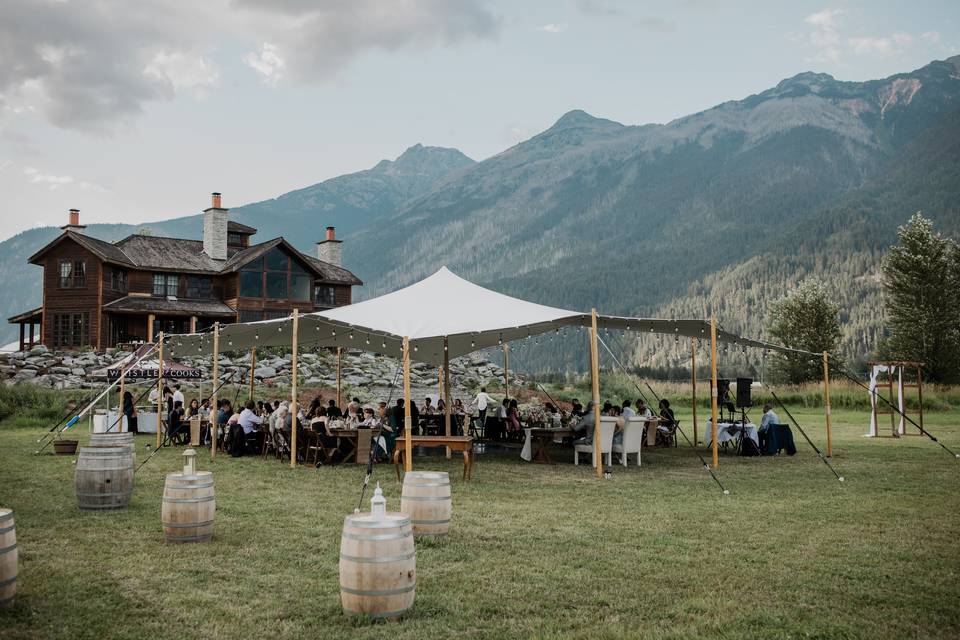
(188,507)
(104,478)
(118,440)
(378,566)
(426,499)
(8,557)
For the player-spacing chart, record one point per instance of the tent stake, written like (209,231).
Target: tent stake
(693,382)
(713,389)
(595,376)
(407,427)
(826,401)
(293,390)
(159,387)
(213,396)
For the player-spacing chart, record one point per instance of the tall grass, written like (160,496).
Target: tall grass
(31,406)
(617,387)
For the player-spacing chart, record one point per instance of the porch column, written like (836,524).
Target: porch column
(150,320)
(22,348)
(193,324)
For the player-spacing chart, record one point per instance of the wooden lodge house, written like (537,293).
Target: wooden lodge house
(99,294)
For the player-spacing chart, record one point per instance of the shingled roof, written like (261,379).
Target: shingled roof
(146,304)
(157,253)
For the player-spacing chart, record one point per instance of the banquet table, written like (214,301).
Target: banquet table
(349,442)
(536,445)
(727,431)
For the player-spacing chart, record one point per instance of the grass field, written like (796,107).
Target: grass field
(535,551)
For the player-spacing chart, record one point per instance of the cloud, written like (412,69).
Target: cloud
(931,36)
(609,9)
(831,45)
(54,182)
(314,41)
(553,28)
(267,62)
(92,66)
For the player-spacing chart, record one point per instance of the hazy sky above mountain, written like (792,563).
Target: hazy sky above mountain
(135,110)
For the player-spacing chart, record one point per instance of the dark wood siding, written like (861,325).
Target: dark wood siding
(61,301)
(343,296)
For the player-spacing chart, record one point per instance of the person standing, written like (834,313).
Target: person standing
(483,401)
(130,412)
(178,396)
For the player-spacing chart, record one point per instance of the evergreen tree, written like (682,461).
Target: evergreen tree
(806,318)
(921,286)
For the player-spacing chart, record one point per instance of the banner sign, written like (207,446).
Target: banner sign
(151,374)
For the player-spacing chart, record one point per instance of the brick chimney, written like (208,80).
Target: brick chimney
(215,229)
(74,222)
(330,249)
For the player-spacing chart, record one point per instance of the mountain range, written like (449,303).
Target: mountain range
(716,212)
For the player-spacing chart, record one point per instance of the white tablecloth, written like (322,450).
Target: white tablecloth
(727,431)
(527,452)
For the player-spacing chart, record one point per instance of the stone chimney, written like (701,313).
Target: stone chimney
(330,250)
(74,223)
(215,229)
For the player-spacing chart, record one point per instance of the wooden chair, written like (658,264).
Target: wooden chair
(608,424)
(632,440)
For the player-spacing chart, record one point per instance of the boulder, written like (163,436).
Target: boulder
(264,373)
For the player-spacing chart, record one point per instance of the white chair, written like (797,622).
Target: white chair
(632,440)
(608,425)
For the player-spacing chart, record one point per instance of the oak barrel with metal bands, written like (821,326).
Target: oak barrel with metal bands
(378,566)
(117,440)
(104,478)
(8,557)
(426,499)
(188,507)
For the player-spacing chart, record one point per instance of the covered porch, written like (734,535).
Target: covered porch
(31,328)
(140,318)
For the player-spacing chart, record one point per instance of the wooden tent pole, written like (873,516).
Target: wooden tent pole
(213,395)
(595,378)
(826,401)
(123,377)
(253,367)
(159,388)
(446,390)
(407,427)
(339,387)
(506,369)
(693,382)
(713,390)
(293,389)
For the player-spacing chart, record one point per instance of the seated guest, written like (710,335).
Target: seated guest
(458,409)
(315,404)
(627,411)
(621,422)
(398,416)
(585,426)
(427,409)
(414,415)
(369,419)
(769,418)
(194,409)
(667,422)
(332,410)
(318,419)
(442,407)
(577,408)
(643,411)
(606,408)
(247,423)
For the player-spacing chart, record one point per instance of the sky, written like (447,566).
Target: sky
(135,110)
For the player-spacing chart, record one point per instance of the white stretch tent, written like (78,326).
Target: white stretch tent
(442,306)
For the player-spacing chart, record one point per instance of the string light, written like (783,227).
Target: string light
(383,344)
(368,339)
(472,344)
(350,335)
(333,333)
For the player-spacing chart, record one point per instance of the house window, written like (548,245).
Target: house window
(199,287)
(275,277)
(324,295)
(166,285)
(71,329)
(236,240)
(73,274)
(118,280)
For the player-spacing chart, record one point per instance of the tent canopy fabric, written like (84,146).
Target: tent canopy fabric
(441,307)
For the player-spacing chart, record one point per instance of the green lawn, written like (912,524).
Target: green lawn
(535,551)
